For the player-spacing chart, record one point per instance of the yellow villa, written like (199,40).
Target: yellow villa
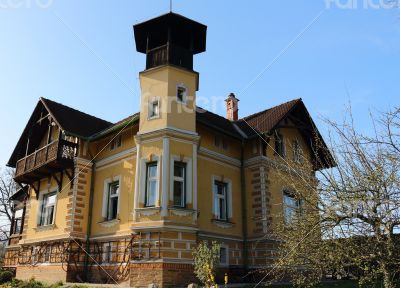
(126,202)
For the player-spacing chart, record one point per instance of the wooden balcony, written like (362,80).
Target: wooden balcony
(169,54)
(51,158)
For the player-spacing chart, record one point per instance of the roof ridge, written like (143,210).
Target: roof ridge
(265,110)
(69,107)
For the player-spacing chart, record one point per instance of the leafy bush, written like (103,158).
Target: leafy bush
(206,259)
(6,276)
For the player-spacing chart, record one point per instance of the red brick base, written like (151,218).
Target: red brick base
(163,274)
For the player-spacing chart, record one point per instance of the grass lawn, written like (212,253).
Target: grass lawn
(336,284)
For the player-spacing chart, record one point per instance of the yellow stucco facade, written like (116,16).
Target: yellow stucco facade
(139,194)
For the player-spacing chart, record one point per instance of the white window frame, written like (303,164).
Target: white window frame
(18,218)
(149,179)
(189,179)
(42,195)
(226,263)
(184,98)
(105,207)
(143,179)
(297,207)
(228,195)
(150,108)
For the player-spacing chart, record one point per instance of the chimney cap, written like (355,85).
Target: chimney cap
(230,96)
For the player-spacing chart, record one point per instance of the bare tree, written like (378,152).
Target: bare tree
(7,189)
(349,224)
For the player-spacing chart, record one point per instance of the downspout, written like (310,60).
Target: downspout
(244,207)
(89,223)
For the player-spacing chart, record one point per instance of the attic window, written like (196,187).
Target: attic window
(116,142)
(181,94)
(154,108)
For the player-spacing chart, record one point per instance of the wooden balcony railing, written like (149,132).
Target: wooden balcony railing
(59,151)
(169,54)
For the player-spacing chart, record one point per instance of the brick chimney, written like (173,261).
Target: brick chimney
(232,109)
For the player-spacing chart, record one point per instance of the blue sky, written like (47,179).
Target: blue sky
(82,54)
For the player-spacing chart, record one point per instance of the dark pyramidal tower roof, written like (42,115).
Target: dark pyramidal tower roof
(172,27)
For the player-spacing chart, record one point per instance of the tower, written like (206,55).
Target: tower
(166,160)
(169,83)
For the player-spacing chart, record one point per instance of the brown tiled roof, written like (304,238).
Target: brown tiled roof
(216,121)
(73,121)
(266,120)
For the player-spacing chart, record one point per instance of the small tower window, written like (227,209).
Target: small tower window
(154,108)
(181,94)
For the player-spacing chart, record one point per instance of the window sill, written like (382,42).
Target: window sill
(45,227)
(109,223)
(154,117)
(222,223)
(14,235)
(181,212)
(148,211)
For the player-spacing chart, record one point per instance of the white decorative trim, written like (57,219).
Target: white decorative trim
(168,129)
(165,176)
(189,178)
(223,224)
(109,224)
(107,182)
(150,106)
(143,183)
(148,211)
(220,156)
(53,189)
(115,157)
(229,182)
(184,100)
(164,227)
(136,196)
(195,181)
(180,212)
(44,228)
(224,237)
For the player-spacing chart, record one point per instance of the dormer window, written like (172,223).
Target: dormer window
(154,108)
(181,94)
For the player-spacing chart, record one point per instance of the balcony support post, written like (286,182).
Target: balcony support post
(70,176)
(59,181)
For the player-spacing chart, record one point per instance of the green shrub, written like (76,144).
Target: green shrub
(6,276)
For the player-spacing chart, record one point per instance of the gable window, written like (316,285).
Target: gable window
(18,221)
(181,94)
(221,200)
(151,184)
(279,145)
(154,108)
(291,207)
(297,152)
(116,142)
(48,209)
(179,184)
(223,255)
(112,200)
